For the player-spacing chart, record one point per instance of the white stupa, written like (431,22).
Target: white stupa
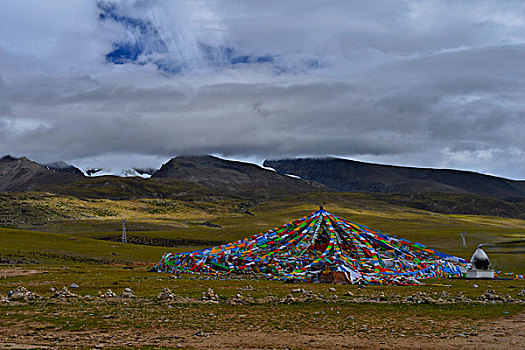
(480,265)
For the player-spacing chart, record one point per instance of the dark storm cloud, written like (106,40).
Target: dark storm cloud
(418,83)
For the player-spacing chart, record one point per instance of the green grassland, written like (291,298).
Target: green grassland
(69,227)
(93,280)
(60,235)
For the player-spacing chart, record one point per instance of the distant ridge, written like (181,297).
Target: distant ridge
(210,179)
(63,167)
(233,176)
(289,176)
(23,174)
(216,174)
(353,176)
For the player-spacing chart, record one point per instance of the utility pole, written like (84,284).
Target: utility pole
(124,237)
(463,235)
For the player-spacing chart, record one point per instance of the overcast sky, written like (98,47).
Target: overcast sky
(133,83)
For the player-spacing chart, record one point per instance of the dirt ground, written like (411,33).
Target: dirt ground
(11,272)
(170,313)
(504,333)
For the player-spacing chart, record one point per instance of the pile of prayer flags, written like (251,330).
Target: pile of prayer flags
(317,244)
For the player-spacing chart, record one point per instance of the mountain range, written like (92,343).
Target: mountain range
(292,176)
(352,176)
(218,175)
(233,176)
(22,174)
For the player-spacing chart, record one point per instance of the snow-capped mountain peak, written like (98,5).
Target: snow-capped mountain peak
(130,172)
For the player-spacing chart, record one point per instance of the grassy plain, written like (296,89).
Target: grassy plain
(336,320)
(67,232)
(62,240)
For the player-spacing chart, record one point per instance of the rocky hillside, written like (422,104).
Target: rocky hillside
(352,176)
(63,167)
(232,176)
(185,176)
(22,174)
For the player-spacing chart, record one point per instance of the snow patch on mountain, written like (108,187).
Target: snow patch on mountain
(95,172)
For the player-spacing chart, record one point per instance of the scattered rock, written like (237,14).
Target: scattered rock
(288,299)
(16,296)
(490,295)
(22,294)
(201,334)
(298,291)
(349,294)
(238,299)
(445,295)
(475,286)
(309,293)
(74,285)
(267,299)
(128,293)
(420,298)
(108,294)
(210,296)
(166,293)
(332,289)
(461,297)
(64,293)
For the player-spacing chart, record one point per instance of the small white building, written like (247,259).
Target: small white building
(480,265)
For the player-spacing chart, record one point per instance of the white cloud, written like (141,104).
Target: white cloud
(417,83)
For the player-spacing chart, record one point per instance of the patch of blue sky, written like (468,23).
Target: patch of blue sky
(144,44)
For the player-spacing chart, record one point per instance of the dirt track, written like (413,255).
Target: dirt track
(11,272)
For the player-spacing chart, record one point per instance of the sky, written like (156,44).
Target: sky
(107,83)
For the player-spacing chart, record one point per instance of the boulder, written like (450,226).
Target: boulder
(210,296)
(108,294)
(128,293)
(166,294)
(64,293)
(22,294)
